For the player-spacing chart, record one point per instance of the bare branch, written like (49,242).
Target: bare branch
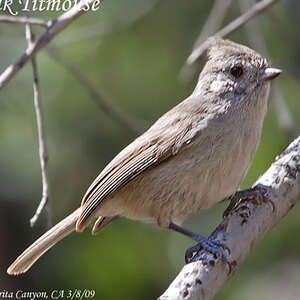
(134,126)
(212,24)
(41,135)
(242,229)
(58,25)
(22,20)
(283,114)
(45,201)
(256,9)
(214,20)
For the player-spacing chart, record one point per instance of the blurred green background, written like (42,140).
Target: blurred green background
(132,51)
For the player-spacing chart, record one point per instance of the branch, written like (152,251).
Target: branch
(242,229)
(41,135)
(58,25)
(213,23)
(134,126)
(22,20)
(256,9)
(214,20)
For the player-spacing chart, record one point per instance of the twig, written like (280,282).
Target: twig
(41,135)
(58,25)
(242,230)
(214,20)
(212,24)
(256,9)
(45,201)
(22,20)
(134,126)
(283,114)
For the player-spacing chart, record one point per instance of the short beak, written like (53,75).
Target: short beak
(270,73)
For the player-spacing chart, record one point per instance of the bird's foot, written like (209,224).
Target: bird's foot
(209,245)
(256,195)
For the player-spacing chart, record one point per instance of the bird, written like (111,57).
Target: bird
(191,158)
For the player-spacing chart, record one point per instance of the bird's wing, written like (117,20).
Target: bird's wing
(151,148)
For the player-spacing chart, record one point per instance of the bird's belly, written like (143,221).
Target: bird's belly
(199,184)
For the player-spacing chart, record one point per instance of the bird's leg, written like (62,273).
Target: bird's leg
(207,244)
(256,195)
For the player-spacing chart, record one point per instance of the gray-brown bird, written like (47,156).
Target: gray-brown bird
(194,156)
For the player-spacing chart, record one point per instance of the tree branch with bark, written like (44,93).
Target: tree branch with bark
(242,229)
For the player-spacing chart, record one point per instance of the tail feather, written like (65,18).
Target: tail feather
(44,243)
(101,223)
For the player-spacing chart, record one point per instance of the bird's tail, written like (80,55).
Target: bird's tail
(45,242)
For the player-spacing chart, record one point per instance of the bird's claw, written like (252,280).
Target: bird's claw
(210,245)
(256,195)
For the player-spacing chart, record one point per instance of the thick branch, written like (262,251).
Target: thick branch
(242,230)
(61,23)
(256,9)
(22,20)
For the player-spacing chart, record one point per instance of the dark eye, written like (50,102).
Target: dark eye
(236,71)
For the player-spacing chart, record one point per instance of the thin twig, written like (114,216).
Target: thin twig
(283,114)
(58,25)
(22,20)
(213,23)
(241,231)
(45,201)
(255,10)
(134,126)
(214,20)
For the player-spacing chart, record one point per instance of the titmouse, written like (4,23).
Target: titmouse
(191,158)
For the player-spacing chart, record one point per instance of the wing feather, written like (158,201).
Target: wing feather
(156,145)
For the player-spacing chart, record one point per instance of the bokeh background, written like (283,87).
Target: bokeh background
(132,51)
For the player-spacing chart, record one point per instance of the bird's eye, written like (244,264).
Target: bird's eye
(236,71)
